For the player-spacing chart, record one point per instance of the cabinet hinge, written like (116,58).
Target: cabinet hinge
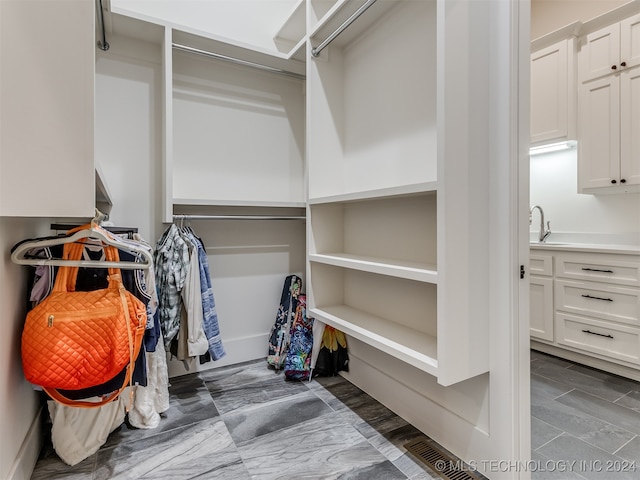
(522,271)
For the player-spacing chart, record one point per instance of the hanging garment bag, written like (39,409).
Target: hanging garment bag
(279,336)
(74,340)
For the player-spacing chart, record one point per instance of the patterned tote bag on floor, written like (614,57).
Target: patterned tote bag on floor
(279,336)
(297,364)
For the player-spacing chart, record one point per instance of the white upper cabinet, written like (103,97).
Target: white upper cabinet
(553,93)
(47,106)
(630,126)
(611,49)
(600,53)
(609,109)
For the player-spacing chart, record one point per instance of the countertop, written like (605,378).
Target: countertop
(587,247)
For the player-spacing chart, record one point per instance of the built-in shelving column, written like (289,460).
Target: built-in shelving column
(396,203)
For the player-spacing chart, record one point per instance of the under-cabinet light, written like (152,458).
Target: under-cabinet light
(552,147)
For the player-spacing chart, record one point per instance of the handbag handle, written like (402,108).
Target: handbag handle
(65,282)
(67,276)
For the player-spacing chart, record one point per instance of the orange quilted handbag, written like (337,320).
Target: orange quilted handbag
(74,340)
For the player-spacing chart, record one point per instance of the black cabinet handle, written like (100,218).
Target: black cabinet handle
(623,64)
(599,334)
(622,180)
(613,67)
(587,269)
(598,298)
(613,181)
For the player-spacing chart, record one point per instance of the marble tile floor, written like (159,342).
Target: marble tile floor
(585,423)
(246,422)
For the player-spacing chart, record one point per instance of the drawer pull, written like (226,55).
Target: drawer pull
(596,270)
(598,298)
(599,334)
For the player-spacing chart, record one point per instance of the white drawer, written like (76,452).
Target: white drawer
(541,264)
(614,341)
(608,302)
(609,268)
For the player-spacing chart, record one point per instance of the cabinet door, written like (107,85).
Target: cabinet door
(541,308)
(600,53)
(630,126)
(47,97)
(550,93)
(599,146)
(630,41)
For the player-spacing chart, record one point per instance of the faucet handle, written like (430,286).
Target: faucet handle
(549,226)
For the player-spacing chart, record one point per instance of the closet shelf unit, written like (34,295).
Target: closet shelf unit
(388,263)
(234,127)
(363,284)
(383,261)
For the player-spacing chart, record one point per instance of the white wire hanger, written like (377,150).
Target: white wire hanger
(20,252)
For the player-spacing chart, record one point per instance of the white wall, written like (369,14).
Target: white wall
(19,404)
(549,15)
(575,217)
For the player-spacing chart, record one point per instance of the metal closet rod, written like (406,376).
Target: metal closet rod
(238,217)
(316,50)
(237,61)
(103,44)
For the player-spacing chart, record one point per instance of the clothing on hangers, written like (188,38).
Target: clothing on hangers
(187,303)
(71,438)
(210,316)
(171,263)
(22,252)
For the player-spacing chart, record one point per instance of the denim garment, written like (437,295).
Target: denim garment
(210,318)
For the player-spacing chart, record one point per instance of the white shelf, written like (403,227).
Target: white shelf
(319,12)
(421,272)
(397,191)
(407,344)
(237,203)
(394,235)
(293,30)
(341,11)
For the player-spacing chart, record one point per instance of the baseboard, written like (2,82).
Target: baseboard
(604,365)
(451,431)
(27,457)
(238,350)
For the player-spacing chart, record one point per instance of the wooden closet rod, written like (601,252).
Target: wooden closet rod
(316,50)
(238,61)
(238,217)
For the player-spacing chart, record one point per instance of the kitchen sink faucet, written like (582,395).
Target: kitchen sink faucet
(544,233)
